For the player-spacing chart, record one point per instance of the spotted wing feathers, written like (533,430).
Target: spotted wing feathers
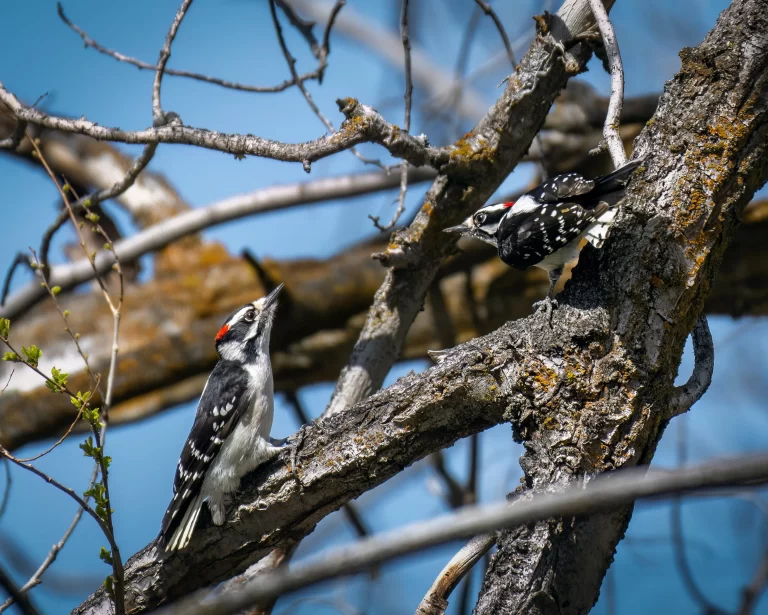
(551,227)
(562,187)
(218,411)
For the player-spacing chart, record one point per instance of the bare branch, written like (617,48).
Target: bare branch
(158,116)
(611,128)
(407,123)
(162,234)
(488,10)
(36,577)
(232,85)
(17,596)
(704,365)
(364,124)
(603,493)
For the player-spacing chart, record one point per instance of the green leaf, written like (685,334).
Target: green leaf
(11,356)
(66,188)
(105,556)
(107,461)
(66,313)
(5,328)
(56,290)
(32,353)
(89,450)
(59,377)
(109,586)
(93,217)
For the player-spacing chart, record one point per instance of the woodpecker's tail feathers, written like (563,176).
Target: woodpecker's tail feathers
(598,232)
(618,179)
(183,533)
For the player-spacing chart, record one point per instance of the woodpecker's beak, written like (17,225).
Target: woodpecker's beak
(462,229)
(271,298)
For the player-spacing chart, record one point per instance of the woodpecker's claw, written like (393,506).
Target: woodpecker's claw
(546,305)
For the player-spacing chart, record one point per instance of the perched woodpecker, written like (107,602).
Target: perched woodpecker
(230,435)
(544,227)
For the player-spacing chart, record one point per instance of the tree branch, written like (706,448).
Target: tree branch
(162,234)
(603,493)
(611,128)
(363,125)
(683,397)
(487,155)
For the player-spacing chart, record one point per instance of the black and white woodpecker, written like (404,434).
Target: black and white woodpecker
(230,435)
(545,226)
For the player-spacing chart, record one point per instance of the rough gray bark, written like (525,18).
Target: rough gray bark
(606,373)
(478,164)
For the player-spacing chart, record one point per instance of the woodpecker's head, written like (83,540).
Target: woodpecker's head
(482,224)
(245,334)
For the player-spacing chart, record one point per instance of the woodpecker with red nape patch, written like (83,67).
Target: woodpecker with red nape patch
(230,435)
(544,227)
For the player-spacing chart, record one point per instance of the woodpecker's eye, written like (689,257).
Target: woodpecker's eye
(250,315)
(480,219)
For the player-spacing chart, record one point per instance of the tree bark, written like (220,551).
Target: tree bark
(607,376)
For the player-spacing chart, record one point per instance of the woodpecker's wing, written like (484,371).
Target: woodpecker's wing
(562,187)
(223,401)
(545,231)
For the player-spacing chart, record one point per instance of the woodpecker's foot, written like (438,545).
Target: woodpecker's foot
(546,305)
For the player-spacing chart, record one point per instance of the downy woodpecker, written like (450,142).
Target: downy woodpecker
(230,435)
(544,227)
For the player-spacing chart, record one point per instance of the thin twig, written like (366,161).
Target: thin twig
(232,85)
(751,593)
(158,117)
(100,433)
(70,492)
(16,595)
(603,493)
(35,579)
(407,122)
(21,259)
(611,128)
(303,26)
(291,61)
(500,27)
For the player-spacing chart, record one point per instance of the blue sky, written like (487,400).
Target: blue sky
(234,39)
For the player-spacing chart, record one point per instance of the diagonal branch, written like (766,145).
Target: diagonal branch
(604,493)
(162,234)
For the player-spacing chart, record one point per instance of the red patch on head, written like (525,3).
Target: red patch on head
(509,204)
(222,332)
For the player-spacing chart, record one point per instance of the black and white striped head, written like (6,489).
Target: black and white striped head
(245,334)
(483,224)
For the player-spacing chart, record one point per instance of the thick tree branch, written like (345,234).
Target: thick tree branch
(705,156)
(363,125)
(314,338)
(603,493)
(486,155)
